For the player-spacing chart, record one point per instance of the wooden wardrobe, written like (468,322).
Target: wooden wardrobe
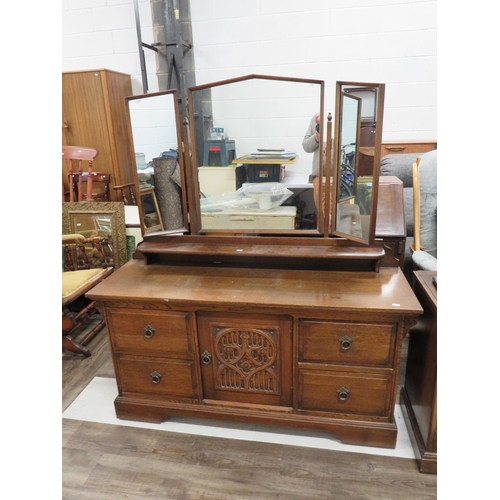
(94,115)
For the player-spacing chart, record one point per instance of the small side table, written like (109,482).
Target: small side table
(419,392)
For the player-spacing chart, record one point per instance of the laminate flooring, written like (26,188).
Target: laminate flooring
(102,461)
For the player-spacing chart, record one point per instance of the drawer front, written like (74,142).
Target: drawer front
(345,393)
(410,147)
(157,377)
(347,343)
(157,333)
(280,218)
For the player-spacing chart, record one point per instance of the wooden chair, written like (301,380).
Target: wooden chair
(127,193)
(84,266)
(99,186)
(81,179)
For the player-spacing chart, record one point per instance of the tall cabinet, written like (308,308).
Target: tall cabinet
(94,115)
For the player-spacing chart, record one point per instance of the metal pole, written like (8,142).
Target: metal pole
(175,51)
(141,51)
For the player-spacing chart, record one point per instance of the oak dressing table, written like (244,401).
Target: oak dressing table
(300,329)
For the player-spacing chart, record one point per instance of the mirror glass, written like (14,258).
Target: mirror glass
(249,171)
(348,150)
(156,131)
(103,219)
(357,144)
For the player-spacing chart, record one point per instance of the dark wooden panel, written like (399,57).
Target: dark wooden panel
(419,393)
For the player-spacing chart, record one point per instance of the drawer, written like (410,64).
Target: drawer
(157,333)
(344,392)
(282,217)
(347,343)
(157,377)
(389,148)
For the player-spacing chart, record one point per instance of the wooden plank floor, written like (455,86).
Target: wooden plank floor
(101,461)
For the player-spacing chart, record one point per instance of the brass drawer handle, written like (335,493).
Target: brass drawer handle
(345,342)
(343,393)
(395,148)
(206,357)
(149,331)
(155,377)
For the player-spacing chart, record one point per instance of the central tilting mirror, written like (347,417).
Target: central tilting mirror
(250,172)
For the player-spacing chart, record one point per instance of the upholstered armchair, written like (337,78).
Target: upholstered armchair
(424,247)
(401,166)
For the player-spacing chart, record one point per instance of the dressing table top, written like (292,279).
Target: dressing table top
(287,289)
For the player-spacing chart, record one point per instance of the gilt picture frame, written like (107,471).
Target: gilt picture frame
(98,217)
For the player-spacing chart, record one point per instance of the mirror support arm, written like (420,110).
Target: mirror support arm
(327,208)
(192,212)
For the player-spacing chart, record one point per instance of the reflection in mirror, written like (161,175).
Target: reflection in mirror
(103,219)
(348,146)
(155,129)
(250,130)
(358,135)
(348,211)
(368,96)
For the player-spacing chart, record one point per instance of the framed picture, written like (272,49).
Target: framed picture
(105,219)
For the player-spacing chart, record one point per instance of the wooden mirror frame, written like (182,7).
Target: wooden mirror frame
(191,168)
(174,94)
(343,87)
(114,209)
(304,249)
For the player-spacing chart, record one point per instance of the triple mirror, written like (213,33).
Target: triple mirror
(246,170)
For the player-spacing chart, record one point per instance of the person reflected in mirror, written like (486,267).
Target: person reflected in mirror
(310,143)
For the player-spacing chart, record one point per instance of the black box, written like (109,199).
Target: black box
(265,173)
(219,153)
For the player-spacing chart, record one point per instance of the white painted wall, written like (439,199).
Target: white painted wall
(389,41)
(102,34)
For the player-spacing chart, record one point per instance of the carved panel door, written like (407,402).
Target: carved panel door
(246,358)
